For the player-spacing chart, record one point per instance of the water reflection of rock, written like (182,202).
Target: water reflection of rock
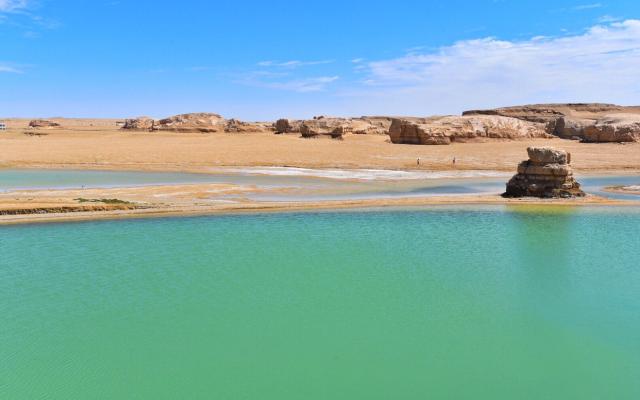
(543,237)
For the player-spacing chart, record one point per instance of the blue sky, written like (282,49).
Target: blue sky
(262,60)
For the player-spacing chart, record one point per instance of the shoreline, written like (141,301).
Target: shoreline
(153,200)
(361,164)
(324,206)
(218,169)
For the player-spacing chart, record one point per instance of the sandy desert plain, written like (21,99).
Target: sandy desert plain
(101,144)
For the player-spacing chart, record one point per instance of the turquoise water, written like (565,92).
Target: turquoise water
(441,303)
(305,188)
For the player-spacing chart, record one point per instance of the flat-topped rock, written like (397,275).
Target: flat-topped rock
(614,128)
(323,126)
(284,125)
(140,123)
(546,174)
(591,122)
(43,123)
(548,155)
(544,113)
(333,126)
(449,129)
(194,122)
(237,126)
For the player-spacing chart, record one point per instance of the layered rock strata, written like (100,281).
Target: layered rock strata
(449,129)
(140,124)
(322,126)
(43,123)
(195,122)
(335,127)
(546,174)
(590,122)
(284,125)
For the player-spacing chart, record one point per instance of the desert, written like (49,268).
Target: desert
(490,141)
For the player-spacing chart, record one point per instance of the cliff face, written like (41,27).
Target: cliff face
(590,122)
(195,122)
(607,128)
(335,127)
(321,126)
(544,113)
(140,124)
(43,123)
(449,129)
(545,174)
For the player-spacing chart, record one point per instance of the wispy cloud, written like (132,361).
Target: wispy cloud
(290,76)
(587,6)
(606,19)
(599,64)
(10,69)
(285,81)
(293,63)
(303,85)
(22,15)
(9,6)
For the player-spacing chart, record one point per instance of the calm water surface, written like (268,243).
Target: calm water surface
(441,303)
(326,185)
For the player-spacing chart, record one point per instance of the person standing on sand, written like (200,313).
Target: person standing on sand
(454,161)
(418,161)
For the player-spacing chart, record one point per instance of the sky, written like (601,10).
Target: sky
(261,60)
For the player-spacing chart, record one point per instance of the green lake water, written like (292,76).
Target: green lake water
(440,303)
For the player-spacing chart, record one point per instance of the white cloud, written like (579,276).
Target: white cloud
(304,85)
(606,19)
(284,75)
(587,6)
(13,5)
(293,63)
(600,64)
(284,81)
(9,69)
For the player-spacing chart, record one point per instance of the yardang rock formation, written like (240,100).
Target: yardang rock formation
(449,129)
(545,174)
(589,122)
(194,122)
(43,123)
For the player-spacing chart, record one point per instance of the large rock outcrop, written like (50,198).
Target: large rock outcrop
(591,122)
(323,126)
(140,124)
(43,123)
(370,125)
(624,127)
(195,122)
(546,174)
(336,127)
(614,128)
(449,129)
(284,125)
(549,113)
(234,125)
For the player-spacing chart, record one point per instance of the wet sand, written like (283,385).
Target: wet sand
(35,206)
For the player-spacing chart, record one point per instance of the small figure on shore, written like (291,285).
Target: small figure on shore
(454,161)
(418,161)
